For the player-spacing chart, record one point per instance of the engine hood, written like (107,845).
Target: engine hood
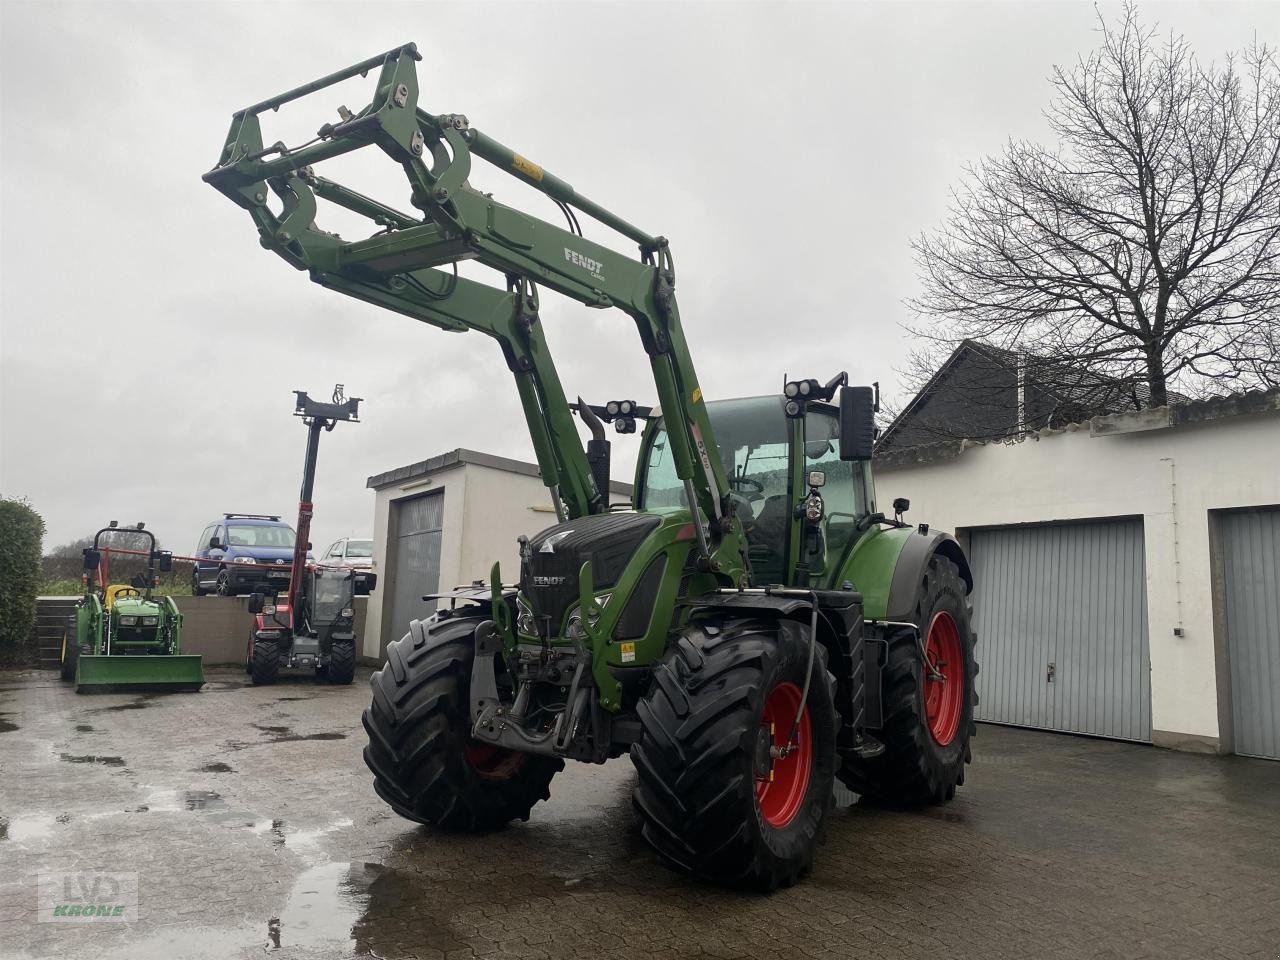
(549,569)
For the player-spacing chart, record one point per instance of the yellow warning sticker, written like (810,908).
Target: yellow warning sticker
(697,394)
(527,167)
(628,651)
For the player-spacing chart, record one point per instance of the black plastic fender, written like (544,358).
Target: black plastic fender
(913,560)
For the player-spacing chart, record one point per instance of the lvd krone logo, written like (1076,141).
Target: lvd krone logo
(88,896)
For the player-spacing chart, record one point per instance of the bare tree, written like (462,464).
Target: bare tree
(1145,247)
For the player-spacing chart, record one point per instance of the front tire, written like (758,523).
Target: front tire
(711,799)
(425,764)
(342,662)
(264,663)
(70,651)
(225,587)
(928,712)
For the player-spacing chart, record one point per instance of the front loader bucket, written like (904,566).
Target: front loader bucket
(140,672)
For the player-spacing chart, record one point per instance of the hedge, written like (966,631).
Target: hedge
(21,543)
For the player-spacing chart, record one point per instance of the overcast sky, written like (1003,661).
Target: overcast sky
(148,345)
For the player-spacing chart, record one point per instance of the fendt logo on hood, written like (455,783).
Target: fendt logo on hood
(549,544)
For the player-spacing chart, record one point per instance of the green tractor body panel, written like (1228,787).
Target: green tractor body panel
(870,565)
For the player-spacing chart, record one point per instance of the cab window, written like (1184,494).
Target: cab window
(752,436)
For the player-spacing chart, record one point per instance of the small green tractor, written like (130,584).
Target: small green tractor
(749,630)
(122,636)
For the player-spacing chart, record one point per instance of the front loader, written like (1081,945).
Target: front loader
(750,630)
(123,637)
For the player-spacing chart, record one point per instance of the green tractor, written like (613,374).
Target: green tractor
(122,636)
(750,630)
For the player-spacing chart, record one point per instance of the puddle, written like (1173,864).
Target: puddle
(215,768)
(306,843)
(35,827)
(92,758)
(279,735)
(84,728)
(269,729)
(324,906)
(202,800)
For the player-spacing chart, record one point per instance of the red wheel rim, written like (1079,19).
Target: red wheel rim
(781,786)
(492,763)
(944,677)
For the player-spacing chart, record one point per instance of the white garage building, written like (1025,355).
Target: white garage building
(443,522)
(1127,570)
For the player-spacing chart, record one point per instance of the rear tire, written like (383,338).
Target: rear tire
(70,651)
(703,797)
(196,589)
(921,764)
(342,661)
(264,663)
(425,765)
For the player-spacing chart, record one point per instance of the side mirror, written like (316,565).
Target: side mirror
(900,506)
(215,543)
(92,559)
(256,602)
(366,584)
(308,544)
(165,561)
(857,423)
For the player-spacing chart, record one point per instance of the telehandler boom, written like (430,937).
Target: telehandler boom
(752,629)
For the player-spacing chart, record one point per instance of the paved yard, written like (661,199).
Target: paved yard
(252,826)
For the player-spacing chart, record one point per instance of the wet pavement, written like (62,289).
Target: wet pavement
(253,829)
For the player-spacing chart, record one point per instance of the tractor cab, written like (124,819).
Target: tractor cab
(775,463)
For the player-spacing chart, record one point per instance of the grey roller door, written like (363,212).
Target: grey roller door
(1061,616)
(1251,562)
(414,562)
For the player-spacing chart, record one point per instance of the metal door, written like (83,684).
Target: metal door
(1251,568)
(413,561)
(1061,616)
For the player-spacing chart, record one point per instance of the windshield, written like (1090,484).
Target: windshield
(244,535)
(752,436)
(359,548)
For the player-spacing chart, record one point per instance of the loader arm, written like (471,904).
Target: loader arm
(399,268)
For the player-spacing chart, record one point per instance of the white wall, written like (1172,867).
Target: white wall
(500,507)
(1172,477)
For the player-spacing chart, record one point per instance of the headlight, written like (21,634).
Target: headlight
(128,621)
(269,609)
(573,629)
(594,614)
(813,507)
(524,619)
(348,612)
(269,634)
(243,560)
(150,621)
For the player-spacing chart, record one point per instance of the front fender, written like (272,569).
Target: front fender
(887,564)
